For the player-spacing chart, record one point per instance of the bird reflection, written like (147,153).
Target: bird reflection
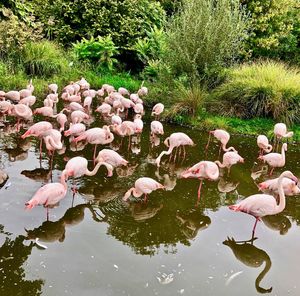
(259,171)
(251,256)
(38,174)
(141,211)
(278,222)
(192,222)
(126,171)
(226,186)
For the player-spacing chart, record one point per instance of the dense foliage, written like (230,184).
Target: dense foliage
(204,36)
(275,28)
(267,89)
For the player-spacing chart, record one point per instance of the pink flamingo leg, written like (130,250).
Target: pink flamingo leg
(199,191)
(176,150)
(41,147)
(271,172)
(206,147)
(94,155)
(254,227)
(47,209)
(220,150)
(145,197)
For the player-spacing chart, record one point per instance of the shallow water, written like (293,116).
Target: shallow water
(101,245)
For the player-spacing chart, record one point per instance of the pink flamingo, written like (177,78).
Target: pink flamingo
(96,136)
(156,128)
(29,101)
(263,144)
(78,116)
(260,205)
(223,137)
(138,122)
(25,93)
(78,167)
(44,111)
(142,186)
(275,160)
(289,186)
(143,91)
(229,159)
(115,118)
(21,112)
(104,109)
(49,195)
(73,106)
(75,130)
(30,86)
(174,141)
(13,95)
(38,130)
(123,91)
(52,139)
(202,170)
(87,103)
(280,131)
(139,108)
(157,109)
(112,157)
(127,104)
(53,87)
(61,119)
(126,128)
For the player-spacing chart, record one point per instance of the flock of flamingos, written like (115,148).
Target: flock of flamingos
(116,106)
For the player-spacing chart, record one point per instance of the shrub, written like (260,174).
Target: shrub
(203,35)
(265,89)
(43,58)
(100,50)
(188,101)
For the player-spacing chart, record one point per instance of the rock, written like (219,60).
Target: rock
(3,178)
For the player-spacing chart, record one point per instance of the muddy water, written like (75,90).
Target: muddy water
(99,245)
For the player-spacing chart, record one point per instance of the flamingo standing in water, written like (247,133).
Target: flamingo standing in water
(263,144)
(280,131)
(38,130)
(157,110)
(260,205)
(229,159)
(142,186)
(174,141)
(202,170)
(112,157)
(61,119)
(52,139)
(21,112)
(223,137)
(156,128)
(275,160)
(49,195)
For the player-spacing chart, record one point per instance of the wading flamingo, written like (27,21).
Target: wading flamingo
(52,139)
(174,141)
(275,160)
(156,128)
(223,137)
(142,186)
(49,195)
(202,170)
(260,205)
(280,131)
(263,144)
(157,110)
(22,112)
(229,159)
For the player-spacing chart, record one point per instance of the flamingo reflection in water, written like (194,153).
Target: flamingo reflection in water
(251,256)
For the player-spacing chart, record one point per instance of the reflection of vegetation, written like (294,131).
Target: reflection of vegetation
(251,256)
(12,276)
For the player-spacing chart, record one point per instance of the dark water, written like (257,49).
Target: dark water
(104,246)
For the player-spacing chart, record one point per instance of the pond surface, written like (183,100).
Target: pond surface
(100,245)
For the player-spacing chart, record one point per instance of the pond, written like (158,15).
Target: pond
(98,244)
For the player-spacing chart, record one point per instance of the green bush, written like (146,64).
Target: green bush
(43,58)
(204,35)
(124,20)
(100,50)
(264,89)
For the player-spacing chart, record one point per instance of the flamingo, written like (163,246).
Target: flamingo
(87,103)
(138,122)
(202,170)
(29,101)
(21,112)
(30,86)
(142,186)
(78,116)
(112,157)
(13,95)
(96,136)
(123,91)
(223,137)
(61,119)
(280,131)
(139,108)
(263,144)
(126,128)
(229,159)
(49,194)
(143,91)
(73,106)
(157,109)
(53,87)
(44,111)
(52,139)
(25,93)
(174,141)
(156,128)
(104,109)
(260,205)
(289,186)
(75,129)
(275,160)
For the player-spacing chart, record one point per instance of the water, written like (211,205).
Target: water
(167,246)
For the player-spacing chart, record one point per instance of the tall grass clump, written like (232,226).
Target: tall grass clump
(203,36)
(264,89)
(43,59)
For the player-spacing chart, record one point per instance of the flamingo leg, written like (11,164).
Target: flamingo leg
(220,150)
(271,172)
(129,142)
(41,147)
(145,197)
(51,161)
(254,227)
(206,147)
(184,152)
(176,150)
(199,191)
(94,155)
(47,210)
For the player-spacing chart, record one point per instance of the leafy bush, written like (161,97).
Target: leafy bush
(124,20)
(265,89)
(275,28)
(203,35)
(43,58)
(100,50)
(14,33)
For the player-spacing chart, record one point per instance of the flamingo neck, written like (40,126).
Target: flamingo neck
(96,168)
(221,165)
(283,154)
(281,206)
(63,178)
